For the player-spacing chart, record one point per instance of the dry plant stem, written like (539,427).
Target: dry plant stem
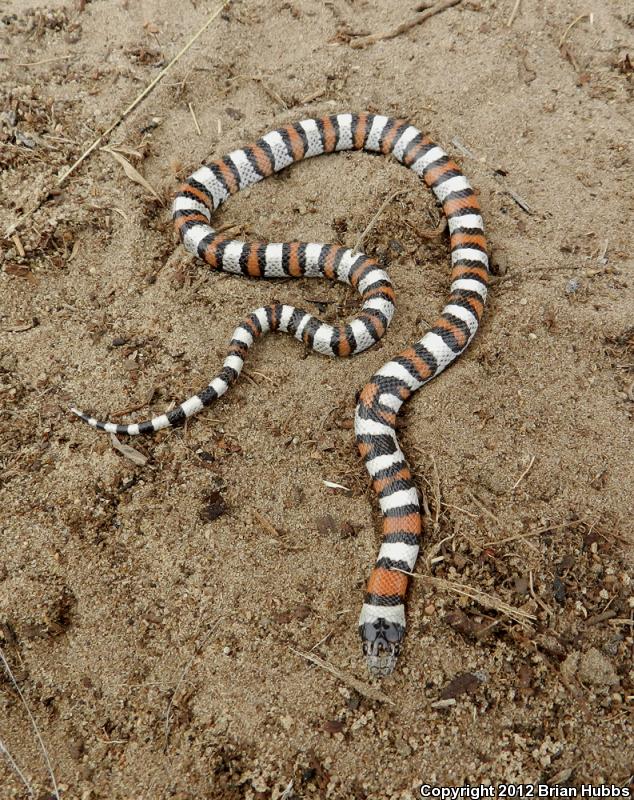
(484,599)
(197,650)
(405,26)
(192,112)
(483,508)
(145,92)
(47,760)
(535,596)
(11,229)
(572,25)
(264,522)
(375,218)
(513,195)
(15,768)
(362,688)
(271,93)
(516,8)
(524,474)
(44,61)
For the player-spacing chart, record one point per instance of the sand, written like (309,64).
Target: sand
(154,614)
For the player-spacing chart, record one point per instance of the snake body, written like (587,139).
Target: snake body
(382,620)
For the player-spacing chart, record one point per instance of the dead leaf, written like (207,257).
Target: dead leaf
(129,452)
(132,173)
(126,151)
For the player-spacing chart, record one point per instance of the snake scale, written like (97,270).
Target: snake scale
(382,620)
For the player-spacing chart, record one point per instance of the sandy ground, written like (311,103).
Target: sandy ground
(152,614)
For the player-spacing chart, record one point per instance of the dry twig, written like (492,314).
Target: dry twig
(575,21)
(375,218)
(4,752)
(483,508)
(362,688)
(482,598)
(44,61)
(191,111)
(516,8)
(123,114)
(47,760)
(443,5)
(271,93)
(536,597)
(524,474)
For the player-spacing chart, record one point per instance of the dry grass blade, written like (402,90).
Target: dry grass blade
(44,60)
(221,7)
(197,650)
(516,8)
(47,760)
(572,25)
(133,173)
(375,218)
(4,752)
(362,688)
(524,474)
(482,598)
(333,485)
(129,452)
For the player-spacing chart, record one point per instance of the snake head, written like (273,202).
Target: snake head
(381,645)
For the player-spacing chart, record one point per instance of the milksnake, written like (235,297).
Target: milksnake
(382,620)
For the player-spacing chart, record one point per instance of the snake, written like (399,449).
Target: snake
(382,619)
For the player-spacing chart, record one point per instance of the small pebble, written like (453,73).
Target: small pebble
(595,669)
(402,748)
(573,285)
(326,524)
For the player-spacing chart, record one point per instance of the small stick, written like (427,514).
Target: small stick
(268,526)
(182,678)
(374,219)
(314,96)
(44,61)
(145,92)
(366,691)
(513,195)
(47,760)
(463,510)
(524,474)
(463,148)
(271,93)
(443,5)
(4,752)
(191,111)
(537,599)
(572,25)
(484,599)
(516,8)
(275,535)
(519,200)
(481,505)
(18,245)
(598,618)
(120,118)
